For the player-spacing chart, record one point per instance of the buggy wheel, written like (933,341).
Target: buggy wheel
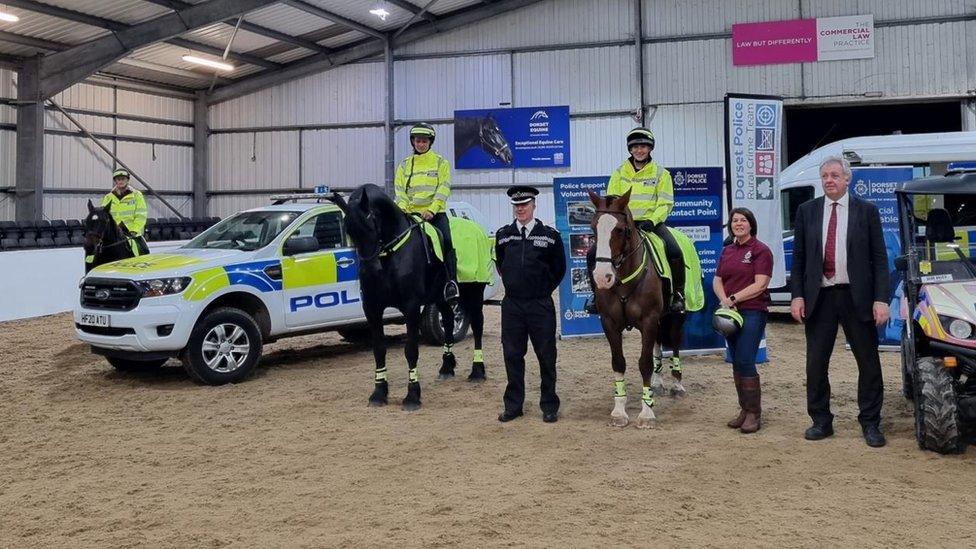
(937,424)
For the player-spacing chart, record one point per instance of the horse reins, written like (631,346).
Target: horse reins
(623,257)
(391,246)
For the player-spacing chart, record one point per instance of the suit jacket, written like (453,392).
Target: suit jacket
(867,257)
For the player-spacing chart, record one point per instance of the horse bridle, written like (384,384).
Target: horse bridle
(99,247)
(391,246)
(624,255)
(495,149)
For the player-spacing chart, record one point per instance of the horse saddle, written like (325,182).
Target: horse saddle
(433,242)
(694,292)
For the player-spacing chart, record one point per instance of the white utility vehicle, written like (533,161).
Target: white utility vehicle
(260,275)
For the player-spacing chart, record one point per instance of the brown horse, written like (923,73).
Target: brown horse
(629,293)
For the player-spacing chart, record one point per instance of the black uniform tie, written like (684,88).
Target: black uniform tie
(523,232)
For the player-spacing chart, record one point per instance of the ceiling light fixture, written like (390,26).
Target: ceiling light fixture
(208,63)
(381,13)
(8,17)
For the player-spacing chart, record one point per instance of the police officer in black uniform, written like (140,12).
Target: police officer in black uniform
(532,261)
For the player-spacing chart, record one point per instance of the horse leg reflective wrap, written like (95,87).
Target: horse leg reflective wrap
(477,366)
(675,364)
(658,364)
(412,401)
(646,418)
(380,375)
(619,417)
(448,363)
(414,377)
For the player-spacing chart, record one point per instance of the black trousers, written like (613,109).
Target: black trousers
(524,319)
(443,225)
(834,306)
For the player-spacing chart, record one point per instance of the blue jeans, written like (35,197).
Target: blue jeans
(744,345)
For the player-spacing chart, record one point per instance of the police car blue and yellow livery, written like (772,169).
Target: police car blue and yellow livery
(289,267)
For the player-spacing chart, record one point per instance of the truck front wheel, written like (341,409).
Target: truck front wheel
(936,408)
(224,347)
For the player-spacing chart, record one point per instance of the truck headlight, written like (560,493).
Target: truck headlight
(163,286)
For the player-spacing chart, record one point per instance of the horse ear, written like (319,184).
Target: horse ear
(594,198)
(623,200)
(340,202)
(90,206)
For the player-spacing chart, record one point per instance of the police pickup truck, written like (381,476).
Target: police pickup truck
(257,276)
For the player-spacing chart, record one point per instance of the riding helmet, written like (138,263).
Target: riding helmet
(726,321)
(121,172)
(423,129)
(640,136)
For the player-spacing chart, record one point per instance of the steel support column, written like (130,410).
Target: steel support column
(969,115)
(390,115)
(201,155)
(29,192)
(639,55)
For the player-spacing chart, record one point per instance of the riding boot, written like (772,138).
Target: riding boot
(677,285)
(590,305)
(736,422)
(752,400)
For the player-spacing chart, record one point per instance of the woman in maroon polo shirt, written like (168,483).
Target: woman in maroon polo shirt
(744,270)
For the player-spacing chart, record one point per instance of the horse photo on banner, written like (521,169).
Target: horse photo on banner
(697,213)
(530,137)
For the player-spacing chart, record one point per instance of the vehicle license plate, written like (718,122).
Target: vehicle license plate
(91,319)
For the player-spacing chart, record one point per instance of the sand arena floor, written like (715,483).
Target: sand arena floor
(295,458)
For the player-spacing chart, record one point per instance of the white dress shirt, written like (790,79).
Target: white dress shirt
(840,250)
(528,226)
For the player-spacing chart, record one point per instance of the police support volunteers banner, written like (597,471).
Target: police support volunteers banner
(753,153)
(877,185)
(532,137)
(697,212)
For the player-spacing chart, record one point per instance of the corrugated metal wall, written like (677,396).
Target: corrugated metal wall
(73,163)
(580,53)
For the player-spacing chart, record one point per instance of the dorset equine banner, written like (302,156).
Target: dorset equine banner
(697,213)
(753,154)
(803,40)
(532,137)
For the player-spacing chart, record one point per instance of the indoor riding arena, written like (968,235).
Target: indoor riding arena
(276,270)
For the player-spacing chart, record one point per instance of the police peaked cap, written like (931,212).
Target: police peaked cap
(520,194)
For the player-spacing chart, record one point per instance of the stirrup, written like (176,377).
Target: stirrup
(678,304)
(451,291)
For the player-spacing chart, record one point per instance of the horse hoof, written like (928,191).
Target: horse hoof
(409,406)
(377,403)
(444,376)
(646,423)
(678,392)
(477,379)
(619,421)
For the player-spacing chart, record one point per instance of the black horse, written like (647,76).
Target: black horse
(397,269)
(105,241)
(483,131)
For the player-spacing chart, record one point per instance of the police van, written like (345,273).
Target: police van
(257,276)
(927,154)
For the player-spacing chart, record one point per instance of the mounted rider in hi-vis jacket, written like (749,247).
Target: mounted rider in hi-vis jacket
(423,185)
(128,206)
(651,201)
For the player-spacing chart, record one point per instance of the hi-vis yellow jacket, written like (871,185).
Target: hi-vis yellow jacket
(423,182)
(652,192)
(130,209)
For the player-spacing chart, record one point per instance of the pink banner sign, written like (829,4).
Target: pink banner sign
(774,42)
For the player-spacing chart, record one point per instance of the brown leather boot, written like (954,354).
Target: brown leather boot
(752,401)
(736,422)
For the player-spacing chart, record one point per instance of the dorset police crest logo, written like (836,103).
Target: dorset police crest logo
(679,179)
(861,188)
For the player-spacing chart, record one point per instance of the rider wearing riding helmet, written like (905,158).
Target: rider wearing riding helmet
(651,201)
(127,205)
(423,185)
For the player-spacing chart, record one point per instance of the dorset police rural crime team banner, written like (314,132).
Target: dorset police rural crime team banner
(532,137)
(753,152)
(877,185)
(697,212)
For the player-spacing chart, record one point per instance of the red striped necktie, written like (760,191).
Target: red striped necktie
(830,250)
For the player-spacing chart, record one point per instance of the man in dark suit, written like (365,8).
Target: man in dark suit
(840,276)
